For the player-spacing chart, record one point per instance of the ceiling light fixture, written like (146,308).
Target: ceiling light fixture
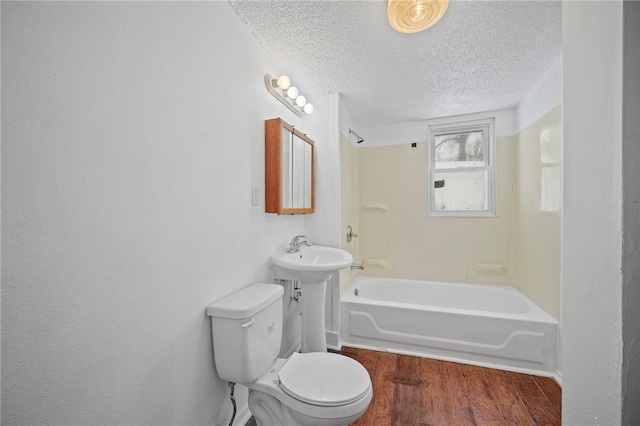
(412,16)
(282,90)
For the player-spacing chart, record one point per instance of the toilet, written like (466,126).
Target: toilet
(317,388)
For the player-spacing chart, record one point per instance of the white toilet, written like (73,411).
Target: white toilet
(317,388)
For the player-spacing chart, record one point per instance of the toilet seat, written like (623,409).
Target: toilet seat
(325,379)
(270,384)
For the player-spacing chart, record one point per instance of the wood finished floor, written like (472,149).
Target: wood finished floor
(423,392)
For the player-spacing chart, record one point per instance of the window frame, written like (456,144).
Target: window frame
(487,127)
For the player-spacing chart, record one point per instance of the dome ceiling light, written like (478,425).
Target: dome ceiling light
(412,16)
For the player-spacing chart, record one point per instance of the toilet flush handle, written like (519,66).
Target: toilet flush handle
(248,323)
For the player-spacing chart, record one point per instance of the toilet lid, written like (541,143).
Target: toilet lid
(323,378)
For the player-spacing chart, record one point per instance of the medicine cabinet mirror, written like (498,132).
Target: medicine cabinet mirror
(289,169)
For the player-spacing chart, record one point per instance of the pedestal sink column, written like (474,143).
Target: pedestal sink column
(312,267)
(313,334)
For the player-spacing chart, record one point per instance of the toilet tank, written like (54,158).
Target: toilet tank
(247,331)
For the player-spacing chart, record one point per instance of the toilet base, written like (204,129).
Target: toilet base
(269,411)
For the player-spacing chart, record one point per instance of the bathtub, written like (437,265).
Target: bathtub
(490,326)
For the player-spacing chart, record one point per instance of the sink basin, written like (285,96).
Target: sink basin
(310,264)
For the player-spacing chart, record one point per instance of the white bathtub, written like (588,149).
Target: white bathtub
(491,326)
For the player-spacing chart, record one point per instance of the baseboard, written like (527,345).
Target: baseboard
(558,377)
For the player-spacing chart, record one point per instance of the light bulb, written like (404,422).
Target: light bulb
(292,92)
(301,100)
(284,82)
(417,13)
(308,108)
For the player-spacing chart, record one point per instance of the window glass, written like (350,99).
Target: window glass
(459,150)
(464,191)
(461,169)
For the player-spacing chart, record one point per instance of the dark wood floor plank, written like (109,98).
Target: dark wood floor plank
(477,385)
(408,411)
(408,382)
(552,391)
(537,404)
(425,392)
(384,392)
(457,405)
(511,406)
(433,400)
(381,368)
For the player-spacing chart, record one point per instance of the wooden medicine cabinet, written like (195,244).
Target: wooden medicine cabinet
(289,169)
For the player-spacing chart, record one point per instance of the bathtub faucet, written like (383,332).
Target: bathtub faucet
(357,266)
(297,242)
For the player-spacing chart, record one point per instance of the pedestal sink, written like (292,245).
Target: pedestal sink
(312,267)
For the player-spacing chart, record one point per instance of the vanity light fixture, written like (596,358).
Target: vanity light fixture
(289,95)
(412,16)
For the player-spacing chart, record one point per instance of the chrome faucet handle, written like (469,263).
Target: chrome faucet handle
(296,239)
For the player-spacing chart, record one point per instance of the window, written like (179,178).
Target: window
(462,169)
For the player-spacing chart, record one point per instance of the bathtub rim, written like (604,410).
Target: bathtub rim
(536,312)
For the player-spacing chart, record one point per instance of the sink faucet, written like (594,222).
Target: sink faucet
(297,242)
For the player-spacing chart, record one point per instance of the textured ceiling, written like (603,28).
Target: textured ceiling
(482,55)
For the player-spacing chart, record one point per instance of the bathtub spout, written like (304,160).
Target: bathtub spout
(357,266)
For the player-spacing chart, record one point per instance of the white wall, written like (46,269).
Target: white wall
(545,95)
(416,131)
(592,211)
(132,135)
(323,227)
